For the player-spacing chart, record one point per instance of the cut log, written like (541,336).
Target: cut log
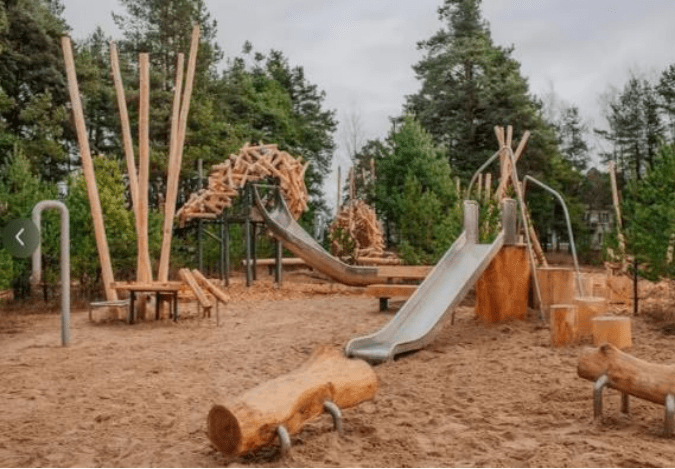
(620,289)
(556,285)
(564,325)
(215,291)
(503,289)
(291,400)
(588,307)
(613,329)
(627,373)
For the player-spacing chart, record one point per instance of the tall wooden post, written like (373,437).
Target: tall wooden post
(88,170)
(175,157)
(126,129)
(144,270)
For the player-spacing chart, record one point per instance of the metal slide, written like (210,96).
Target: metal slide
(444,288)
(282,225)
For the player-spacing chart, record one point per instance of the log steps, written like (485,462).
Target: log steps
(607,366)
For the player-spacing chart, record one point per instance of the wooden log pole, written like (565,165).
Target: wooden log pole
(88,170)
(175,158)
(126,129)
(556,285)
(564,325)
(144,269)
(219,294)
(291,400)
(502,291)
(628,374)
(588,307)
(615,330)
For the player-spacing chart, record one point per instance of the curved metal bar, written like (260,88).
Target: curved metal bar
(65,261)
(332,408)
(670,413)
(598,387)
(285,440)
(569,227)
(480,170)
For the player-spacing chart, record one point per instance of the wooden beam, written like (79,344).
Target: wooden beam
(126,129)
(88,171)
(176,157)
(187,277)
(215,291)
(143,268)
(412,272)
(390,291)
(617,207)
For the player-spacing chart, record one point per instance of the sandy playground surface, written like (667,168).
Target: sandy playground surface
(480,395)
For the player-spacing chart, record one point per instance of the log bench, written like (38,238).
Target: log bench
(387,291)
(607,366)
(327,382)
(270,263)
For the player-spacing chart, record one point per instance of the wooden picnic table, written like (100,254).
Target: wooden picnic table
(160,289)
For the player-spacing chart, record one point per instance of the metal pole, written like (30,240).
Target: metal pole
(247,241)
(279,248)
(471,221)
(65,261)
(254,251)
(226,225)
(222,248)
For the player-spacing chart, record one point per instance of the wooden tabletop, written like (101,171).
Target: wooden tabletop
(147,286)
(413,272)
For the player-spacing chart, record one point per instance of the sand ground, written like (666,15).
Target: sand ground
(480,395)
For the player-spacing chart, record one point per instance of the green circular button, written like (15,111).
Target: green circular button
(20,237)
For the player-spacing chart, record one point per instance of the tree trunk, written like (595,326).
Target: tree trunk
(556,285)
(628,374)
(290,400)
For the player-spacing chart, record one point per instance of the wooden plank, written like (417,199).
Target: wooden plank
(215,291)
(88,171)
(126,128)
(284,261)
(412,272)
(187,277)
(390,291)
(147,286)
(143,268)
(176,157)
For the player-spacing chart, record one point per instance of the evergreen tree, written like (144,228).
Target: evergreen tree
(469,85)
(572,132)
(33,91)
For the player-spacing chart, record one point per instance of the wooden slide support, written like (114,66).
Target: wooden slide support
(282,406)
(607,366)
(88,170)
(203,300)
(502,291)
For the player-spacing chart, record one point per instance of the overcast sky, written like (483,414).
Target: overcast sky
(360,52)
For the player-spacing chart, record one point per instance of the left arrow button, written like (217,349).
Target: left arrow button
(20,237)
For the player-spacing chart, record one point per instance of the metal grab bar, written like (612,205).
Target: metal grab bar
(567,220)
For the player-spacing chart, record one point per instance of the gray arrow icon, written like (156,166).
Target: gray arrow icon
(19,239)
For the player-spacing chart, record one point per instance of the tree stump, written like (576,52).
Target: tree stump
(557,287)
(291,400)
(502,291)
(564,325)
(588,307)
(620,289)
(613,329)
